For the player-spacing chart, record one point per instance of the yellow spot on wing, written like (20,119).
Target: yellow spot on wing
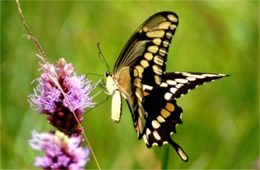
(181,80)
(148,131)
(168,96)
(171,82)
(157,69)
(172,18)
(170,107)
(164,25)
(162,51)
(147,87)
(160,119)
(172,27)
(155,124)
(153,49)
(155,34)
(148,56)
(137,83)
(165,113)
(145,29)
(145,139)
(139,94)
(191,78)
(158,60)
(165,43)
(173,90)
(144,63)
(135,73)
(157,41)
(157,79)
(156,135)
(140,70)
(164,84)
(169,35)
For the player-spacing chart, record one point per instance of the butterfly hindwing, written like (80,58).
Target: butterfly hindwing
(162,119)
(176,84)
(173,86)
(159,113)
(163,116)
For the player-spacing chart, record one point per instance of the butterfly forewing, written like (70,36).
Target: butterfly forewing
(147,49)
(146,54)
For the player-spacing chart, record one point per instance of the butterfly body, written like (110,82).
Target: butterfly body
(118,85)
(139,76)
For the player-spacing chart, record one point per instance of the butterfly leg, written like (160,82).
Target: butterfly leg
(106,99)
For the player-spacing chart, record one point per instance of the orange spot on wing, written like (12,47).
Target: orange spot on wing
(145,93)
(136,126)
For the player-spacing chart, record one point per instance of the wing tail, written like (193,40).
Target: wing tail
(180,83)
(179,150)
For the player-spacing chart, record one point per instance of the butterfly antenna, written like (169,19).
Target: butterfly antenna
(95,74)
(101,56)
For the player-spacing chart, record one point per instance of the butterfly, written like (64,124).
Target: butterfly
(139,76)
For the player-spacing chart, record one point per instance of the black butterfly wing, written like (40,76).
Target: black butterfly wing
(163,112)
(146,54)
(161,121)
(177,84)
(146,51)
(152,93)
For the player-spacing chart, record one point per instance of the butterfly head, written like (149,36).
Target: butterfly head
(108,74)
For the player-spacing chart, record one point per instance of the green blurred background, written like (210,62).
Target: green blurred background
(221,119)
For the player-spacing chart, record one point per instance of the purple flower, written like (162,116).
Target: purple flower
(61,152)
(49,99)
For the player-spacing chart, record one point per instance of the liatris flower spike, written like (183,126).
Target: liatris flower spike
(61,152)
(49,99)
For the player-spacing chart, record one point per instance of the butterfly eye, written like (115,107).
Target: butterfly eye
(108,74)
